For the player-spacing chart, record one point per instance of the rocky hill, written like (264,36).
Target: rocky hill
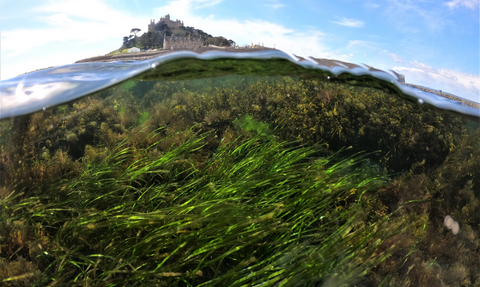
(153,38)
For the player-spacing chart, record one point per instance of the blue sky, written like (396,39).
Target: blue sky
(435,43)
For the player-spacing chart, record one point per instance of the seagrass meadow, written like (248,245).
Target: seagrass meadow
(243,180)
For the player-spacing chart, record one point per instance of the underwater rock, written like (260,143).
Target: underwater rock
(448,222)
(455,228)
(71,137)
(451,224)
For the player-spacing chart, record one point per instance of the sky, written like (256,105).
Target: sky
(434,43)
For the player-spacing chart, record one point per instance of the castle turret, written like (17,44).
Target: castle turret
(151,26)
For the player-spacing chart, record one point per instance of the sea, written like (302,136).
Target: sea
(236,169)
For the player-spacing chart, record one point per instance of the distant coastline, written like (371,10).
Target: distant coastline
(445,95)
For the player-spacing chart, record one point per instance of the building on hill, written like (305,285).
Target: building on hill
(181,43)
(175,24)
(172,24)
(133,50)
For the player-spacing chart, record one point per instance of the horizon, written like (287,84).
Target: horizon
(433,43)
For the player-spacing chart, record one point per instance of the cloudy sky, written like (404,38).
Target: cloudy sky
(434,43)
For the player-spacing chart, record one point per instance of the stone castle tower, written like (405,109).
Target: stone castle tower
(176,42)
(151,26)
(173,24)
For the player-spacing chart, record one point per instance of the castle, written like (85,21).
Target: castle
(176,42)
(180,43)
(173,24)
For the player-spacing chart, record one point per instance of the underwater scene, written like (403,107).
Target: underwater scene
(235,170)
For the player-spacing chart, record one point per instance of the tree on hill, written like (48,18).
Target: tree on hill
(150,40)
(134,31)
(161,26)
(128,42)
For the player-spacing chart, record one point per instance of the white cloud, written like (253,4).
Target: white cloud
(372,5)
(395,57)
(68,21)
(461,84)
(274,4)
(414,16)
(67,31)
(86,9)
(470,4)
(349,23)
(206,3)
(361,44)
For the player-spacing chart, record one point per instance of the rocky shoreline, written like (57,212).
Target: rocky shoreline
(151,54)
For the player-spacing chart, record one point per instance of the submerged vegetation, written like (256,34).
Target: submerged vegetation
(239,181)
(255,212)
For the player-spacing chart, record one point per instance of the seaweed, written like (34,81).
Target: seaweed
(239,181)
(253,213)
